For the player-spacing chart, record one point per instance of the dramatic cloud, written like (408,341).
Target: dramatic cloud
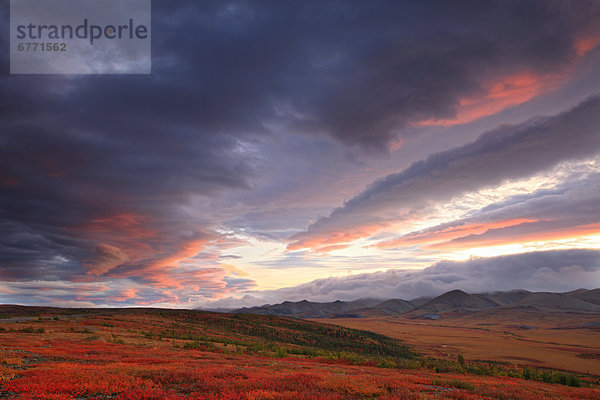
(106,258)
(157,184)
(537,271)
(509,152)
(570,210)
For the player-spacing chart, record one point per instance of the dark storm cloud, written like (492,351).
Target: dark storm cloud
(39,252)
(509,152)
(76,151)
(558,270)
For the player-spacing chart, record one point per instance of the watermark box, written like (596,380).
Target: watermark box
(80,36)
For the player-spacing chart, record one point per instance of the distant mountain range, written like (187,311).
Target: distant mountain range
(457,301)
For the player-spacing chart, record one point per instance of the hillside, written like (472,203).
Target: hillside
(249,331)
(307,309)
(559,302)
(457,301)
(387,308)
(589,296)
(510,297)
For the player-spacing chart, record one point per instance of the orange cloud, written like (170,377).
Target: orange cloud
(449,233)
(162,271)
(187,250)
(132,225)
(522,233)
(180,270)
(396,145)
(589,40)
(333,240)
(135,246)
(501,92)
(210,279)
(125,295)
(131,233)
(498,94)
(105,258)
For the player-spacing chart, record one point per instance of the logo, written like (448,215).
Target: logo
(80,37)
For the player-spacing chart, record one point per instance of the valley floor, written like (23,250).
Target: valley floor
(565,341)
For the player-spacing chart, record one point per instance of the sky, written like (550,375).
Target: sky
(319,150)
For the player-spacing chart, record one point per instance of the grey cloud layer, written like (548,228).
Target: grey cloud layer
(560,270)
(509,152)
(573,205)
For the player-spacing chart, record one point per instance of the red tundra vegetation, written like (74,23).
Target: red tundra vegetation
(166,354)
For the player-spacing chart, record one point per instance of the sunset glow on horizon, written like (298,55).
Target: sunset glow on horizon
(272,155)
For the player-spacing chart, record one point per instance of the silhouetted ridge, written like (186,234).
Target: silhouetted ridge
(582,300)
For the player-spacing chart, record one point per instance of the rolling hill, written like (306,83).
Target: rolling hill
(308,309)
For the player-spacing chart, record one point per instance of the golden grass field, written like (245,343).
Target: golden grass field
(499,335)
